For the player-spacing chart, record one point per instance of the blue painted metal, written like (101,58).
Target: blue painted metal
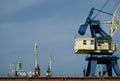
(109,68)
(48,70)
(110,61)
(83,28)
(93,67)
(116,67)
(96,29)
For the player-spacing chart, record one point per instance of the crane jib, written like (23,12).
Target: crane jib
(83,27)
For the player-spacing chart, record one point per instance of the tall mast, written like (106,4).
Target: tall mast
(49,70)
(50,63)
(36,55)
(37,72)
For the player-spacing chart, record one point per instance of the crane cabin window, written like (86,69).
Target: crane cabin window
(84,42)
(100,43)
(92,42)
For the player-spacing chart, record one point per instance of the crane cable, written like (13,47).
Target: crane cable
(100,9)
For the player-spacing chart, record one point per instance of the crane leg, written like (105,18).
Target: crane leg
(91,68)
(116,67)
(110,62)
(88,69)
(109,68)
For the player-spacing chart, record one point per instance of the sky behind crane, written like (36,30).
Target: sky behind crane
(53,24)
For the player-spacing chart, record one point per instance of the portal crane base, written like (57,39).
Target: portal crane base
(109,60)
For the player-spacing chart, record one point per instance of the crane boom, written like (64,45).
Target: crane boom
(83,27)
(115,22)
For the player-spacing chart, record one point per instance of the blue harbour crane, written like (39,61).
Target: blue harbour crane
(99,46)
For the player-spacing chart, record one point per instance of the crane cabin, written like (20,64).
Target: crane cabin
(93,46)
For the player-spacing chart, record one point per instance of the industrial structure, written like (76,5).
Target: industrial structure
(49,69)
(99,46)
(16,70)
(37,72)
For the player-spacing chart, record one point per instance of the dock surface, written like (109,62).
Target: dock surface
(60,79)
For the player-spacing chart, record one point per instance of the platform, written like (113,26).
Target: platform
(60,79)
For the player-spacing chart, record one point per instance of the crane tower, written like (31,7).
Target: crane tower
(49,69)
(37,72)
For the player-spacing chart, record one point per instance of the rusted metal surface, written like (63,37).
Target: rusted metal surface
(60,79)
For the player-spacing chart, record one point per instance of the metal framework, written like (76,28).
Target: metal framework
(37,72)
(98,33)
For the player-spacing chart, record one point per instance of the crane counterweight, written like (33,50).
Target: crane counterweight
(83,27)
